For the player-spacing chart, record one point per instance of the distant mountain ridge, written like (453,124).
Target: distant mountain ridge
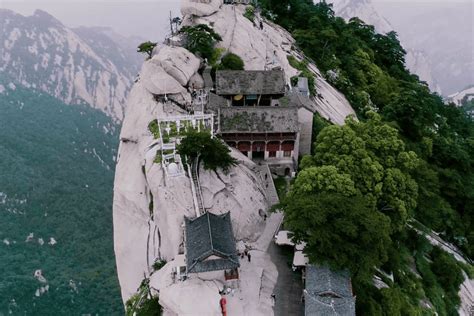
(57,168)
(82,65)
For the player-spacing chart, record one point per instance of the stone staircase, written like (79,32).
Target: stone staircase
(197,185)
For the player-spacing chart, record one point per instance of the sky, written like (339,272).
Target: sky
(145,18)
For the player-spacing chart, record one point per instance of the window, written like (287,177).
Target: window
(287,153)
(272,154)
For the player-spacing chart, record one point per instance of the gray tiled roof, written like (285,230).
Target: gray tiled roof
(328,292)
(216,101)
(299,100)
(210,235)
(327,306)
(268,119)
(233,82)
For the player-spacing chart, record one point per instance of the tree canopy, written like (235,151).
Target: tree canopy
(373,156)
(342,231)
(212,152)
(231,61)
(200,39)
(415,159)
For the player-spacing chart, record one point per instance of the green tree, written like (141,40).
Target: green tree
(377,161)
(212,152)
(147,47)
(200,39)
(344,232)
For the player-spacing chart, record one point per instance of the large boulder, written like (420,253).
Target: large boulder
(196,81)
(157,81)
(200,7)
(178,62)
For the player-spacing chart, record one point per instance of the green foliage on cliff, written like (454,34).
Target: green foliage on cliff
(147,48)
(143,303)
(200,39)
(359,173)
(250,13)
(231,61)
(415,160)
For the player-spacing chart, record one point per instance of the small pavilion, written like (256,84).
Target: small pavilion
(210,244)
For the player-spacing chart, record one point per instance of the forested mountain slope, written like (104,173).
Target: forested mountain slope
(56,172)
(410,158)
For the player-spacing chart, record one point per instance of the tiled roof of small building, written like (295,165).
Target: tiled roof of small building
(234,82)
(210,235)
(268,119)
(299,100)
(328,293)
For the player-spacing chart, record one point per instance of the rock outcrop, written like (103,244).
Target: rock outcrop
(149,207)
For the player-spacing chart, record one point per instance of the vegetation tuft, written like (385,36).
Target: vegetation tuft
(211,151)
(200,39)
(147,48)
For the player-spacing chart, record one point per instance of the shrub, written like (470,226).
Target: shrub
(142,303)
(216,56)
(153,128)
(250,13)
(146,47)
(213,153)
(158,158)
(158,264)
(232,61)
(200,39)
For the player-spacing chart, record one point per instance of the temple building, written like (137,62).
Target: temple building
(259,116)
(263,133)
(251,88)
(210,244)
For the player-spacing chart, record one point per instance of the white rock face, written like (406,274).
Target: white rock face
(157,81)
(418,63)
(200,7)
(466,293)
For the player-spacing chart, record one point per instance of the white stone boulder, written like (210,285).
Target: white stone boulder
(178,62)
(200,7)
(192,298)
(196,81)
(157,81)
